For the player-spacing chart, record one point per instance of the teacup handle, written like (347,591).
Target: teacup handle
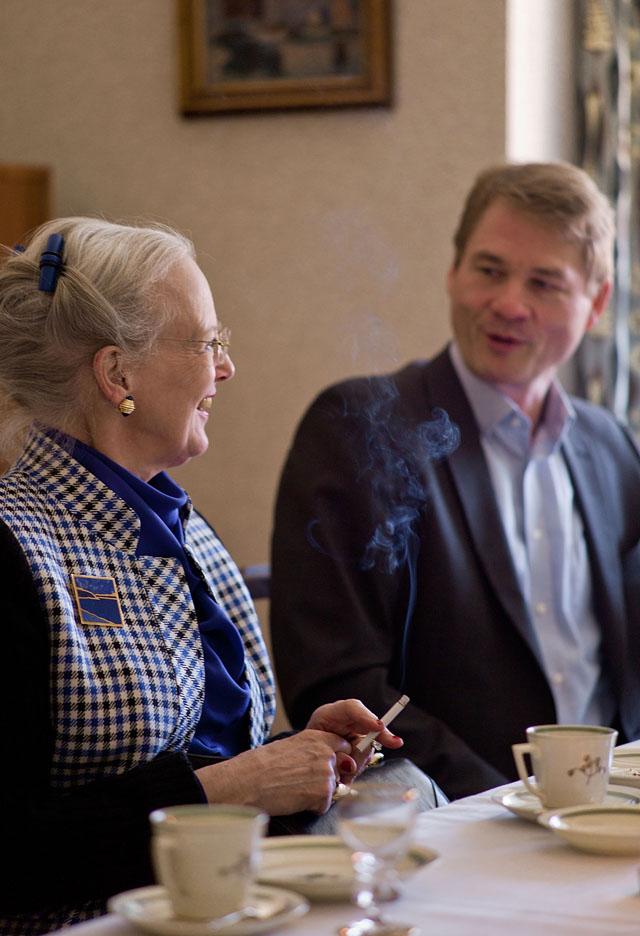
(167,865)
(519,750)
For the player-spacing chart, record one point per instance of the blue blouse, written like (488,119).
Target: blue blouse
(223,727)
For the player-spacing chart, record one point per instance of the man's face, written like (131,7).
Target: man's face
(520,303)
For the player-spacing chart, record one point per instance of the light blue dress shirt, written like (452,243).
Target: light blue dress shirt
(546,537)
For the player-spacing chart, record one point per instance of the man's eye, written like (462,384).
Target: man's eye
(490,272)
(544,285)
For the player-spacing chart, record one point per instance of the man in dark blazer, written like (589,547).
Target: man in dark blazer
(461,530)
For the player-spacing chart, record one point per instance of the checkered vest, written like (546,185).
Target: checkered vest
(121,695)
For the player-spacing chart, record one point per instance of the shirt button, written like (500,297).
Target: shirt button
(558,679)
(541,607)
(537,534)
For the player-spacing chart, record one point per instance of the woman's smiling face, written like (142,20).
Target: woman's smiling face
(174,387)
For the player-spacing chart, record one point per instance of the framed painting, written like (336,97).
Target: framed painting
(254,55)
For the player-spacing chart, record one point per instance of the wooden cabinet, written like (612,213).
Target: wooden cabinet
(25,200)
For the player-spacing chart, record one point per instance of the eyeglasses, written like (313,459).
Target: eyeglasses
(218,346)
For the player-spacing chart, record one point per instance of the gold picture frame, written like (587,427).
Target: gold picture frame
(255,55)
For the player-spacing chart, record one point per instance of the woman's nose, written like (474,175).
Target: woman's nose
(225,369)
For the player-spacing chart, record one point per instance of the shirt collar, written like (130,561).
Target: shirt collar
(493,410)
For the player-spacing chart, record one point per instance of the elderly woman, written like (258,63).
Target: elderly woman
(131,649)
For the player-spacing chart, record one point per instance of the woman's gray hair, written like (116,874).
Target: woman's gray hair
(106,294)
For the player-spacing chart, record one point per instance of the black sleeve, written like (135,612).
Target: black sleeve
(336,626)
(79,845)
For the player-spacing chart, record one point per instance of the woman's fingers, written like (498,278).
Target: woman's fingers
(346,717)
(300,772)
(294,774)
(351,719)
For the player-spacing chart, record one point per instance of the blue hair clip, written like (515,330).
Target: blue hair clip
(19,248)
(51,263)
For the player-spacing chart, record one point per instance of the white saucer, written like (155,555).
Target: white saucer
(149,909)
(606,829)
(525,804)
(319,866)
(625,768)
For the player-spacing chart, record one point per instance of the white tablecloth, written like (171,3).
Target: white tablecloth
(497,874)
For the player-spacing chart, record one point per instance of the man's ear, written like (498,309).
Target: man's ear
(451,272)
(599,304)
(108,371)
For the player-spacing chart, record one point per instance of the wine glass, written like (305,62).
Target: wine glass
(375,821)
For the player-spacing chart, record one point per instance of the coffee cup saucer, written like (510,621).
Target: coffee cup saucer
(319,866)
(149,909)
(605,829)
(521,802)
(625,767)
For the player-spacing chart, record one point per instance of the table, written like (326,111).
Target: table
(497,874)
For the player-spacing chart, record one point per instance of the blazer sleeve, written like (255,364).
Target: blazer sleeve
(71,846)
(337,626)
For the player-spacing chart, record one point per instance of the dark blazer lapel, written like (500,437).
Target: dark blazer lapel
(471,478)
(591,498)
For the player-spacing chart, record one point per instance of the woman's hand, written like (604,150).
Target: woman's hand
(350,718)
(301,772)
(282,777)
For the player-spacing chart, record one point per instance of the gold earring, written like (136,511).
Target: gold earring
(127,406)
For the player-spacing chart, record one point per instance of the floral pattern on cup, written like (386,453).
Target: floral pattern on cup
(590,767)
(243,865)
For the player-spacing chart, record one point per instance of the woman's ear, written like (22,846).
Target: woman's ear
(108,367)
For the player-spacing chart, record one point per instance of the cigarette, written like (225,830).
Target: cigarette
(386,719)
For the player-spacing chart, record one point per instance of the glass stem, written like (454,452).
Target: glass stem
(367,870)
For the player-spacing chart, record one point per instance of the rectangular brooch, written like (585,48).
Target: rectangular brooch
(97,600)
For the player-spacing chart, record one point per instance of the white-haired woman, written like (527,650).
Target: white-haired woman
(131,650)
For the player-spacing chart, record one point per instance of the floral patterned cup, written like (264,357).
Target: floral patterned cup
(206,856)
(571,763)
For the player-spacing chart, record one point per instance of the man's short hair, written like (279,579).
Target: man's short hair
(557,194)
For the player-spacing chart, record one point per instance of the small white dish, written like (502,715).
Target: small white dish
(604,829)
(625,768)
(319,866)
(149,908)
(525,804)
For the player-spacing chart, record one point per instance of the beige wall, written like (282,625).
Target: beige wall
(325,235)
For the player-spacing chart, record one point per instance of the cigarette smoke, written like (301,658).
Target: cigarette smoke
(394,457)
(392,464)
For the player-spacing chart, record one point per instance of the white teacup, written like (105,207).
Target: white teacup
(571,763)
(206,856)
